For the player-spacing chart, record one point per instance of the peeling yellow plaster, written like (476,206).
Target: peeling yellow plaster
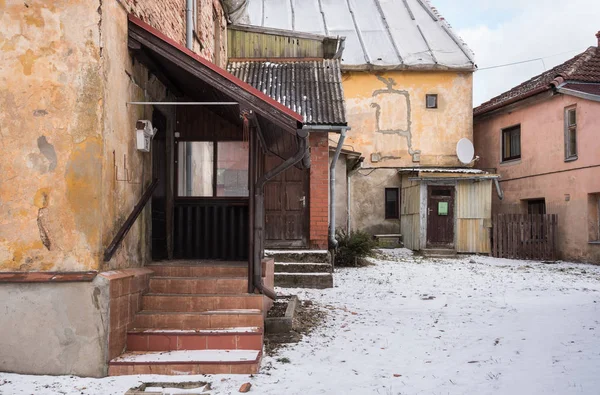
(40,200)
(27,60)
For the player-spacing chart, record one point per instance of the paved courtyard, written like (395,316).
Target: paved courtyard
(408,325)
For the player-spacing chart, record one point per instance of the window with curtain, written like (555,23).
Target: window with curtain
(511,143)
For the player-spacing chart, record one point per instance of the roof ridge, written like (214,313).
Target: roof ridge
(583,58)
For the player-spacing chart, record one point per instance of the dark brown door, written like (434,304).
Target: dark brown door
(286,207)
(440,216)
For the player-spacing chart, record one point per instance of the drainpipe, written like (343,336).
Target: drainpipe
(499,189)
(189,43)
(333,243)
(259,213)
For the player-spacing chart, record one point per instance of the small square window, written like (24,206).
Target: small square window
(431,101)
(392,203)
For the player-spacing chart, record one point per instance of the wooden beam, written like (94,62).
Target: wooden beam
(146,59)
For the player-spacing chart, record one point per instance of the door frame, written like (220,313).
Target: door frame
(427,193)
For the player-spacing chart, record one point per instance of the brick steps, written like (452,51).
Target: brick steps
(187,362)
(250,338)
(183,269)
(196,318)
(200,303)
(299,256)
(199,285)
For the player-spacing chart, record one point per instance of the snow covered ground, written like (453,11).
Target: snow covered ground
(409,325)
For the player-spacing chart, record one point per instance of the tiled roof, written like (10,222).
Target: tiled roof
(584,67)
(313,89)
(380,34)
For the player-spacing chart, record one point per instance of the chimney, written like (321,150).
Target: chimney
(598,37)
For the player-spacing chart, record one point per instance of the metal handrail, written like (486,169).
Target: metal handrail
(118,239)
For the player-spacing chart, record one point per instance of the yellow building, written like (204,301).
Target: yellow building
(408,82)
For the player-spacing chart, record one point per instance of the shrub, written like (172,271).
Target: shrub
(353,247)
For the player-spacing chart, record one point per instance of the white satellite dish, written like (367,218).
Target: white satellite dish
(465,151)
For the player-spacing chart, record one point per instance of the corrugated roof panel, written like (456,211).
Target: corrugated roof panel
(311,88)
(384,35)
(277,14)
(307,14)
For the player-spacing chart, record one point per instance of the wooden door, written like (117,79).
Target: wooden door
(286,207)
(440,216)
(159,198)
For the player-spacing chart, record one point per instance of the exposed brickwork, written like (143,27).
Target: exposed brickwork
(319,190)
(168,16)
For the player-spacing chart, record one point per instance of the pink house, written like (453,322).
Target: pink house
(543,138)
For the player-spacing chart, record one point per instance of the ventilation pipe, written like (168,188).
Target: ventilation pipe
(499,189)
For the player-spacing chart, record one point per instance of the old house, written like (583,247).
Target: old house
(542,138)
(407,83)
(132,190)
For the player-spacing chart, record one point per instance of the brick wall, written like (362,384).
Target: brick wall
(168,16)
(319,190)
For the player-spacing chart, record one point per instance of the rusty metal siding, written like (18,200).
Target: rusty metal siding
(247,45)
(410,222)
(313,89)
(473,216)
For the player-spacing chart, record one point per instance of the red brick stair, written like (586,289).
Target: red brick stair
(197,318)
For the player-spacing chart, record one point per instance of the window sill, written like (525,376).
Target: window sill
(571,159)
(510,162)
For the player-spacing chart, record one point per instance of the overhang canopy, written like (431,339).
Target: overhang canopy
(187,74)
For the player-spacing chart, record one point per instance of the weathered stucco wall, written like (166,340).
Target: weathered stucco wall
(58,328)
(388,116)
(541,171)
(368,200)
(50,135)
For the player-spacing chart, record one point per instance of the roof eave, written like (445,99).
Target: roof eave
(513,100)
(405,67)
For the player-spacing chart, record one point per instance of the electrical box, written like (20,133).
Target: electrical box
(144,134)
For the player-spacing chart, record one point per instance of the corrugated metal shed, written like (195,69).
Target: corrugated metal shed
(380,34)
(313,89)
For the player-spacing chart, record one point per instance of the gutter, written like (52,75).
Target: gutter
(333,243)
(499,189)
(258,212)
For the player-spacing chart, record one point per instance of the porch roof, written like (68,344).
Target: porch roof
(189,75)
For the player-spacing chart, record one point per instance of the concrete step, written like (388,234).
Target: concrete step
(295,267)
(186,362)
(199,285)
(299,256)
(217,319)
(199,269)
(198,303)
(250,338)
(304,280)
(440,253)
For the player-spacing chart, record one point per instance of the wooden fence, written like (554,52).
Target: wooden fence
(525,236)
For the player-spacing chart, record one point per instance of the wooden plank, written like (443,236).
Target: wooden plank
(495,236)
(500,236)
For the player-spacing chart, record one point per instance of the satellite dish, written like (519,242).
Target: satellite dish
(465,151)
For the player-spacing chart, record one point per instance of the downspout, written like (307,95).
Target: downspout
(259,213)
(189,43)
(333,243)
(499,189)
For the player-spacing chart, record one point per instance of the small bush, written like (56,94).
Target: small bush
(353,247)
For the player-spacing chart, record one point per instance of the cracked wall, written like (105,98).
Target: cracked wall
(50,135)
(390,122)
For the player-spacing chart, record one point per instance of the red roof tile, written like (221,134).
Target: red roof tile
(584,67)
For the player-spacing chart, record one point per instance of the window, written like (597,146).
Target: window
(570,133)
(392,203)
(212,169)
(511,143)
(594,217)
(431,101)
(536,206)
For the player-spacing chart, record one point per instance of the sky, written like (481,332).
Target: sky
(507,31)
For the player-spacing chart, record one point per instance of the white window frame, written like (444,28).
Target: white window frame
(569,154)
